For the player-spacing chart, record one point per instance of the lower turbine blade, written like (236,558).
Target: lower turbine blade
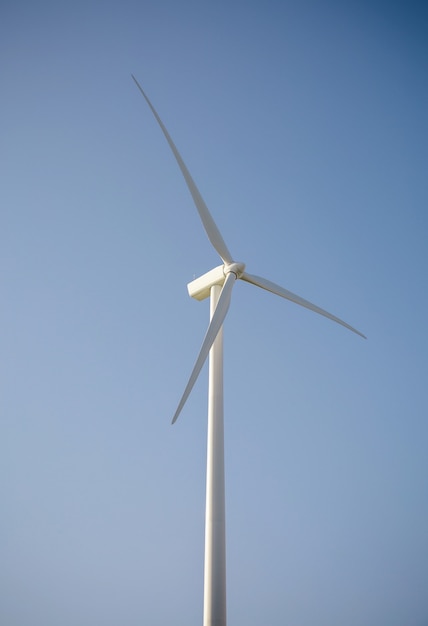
(284,293)
(212,332)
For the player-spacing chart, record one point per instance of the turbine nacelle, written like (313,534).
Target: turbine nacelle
(200,288)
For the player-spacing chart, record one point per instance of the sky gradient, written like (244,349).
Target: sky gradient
(304,125)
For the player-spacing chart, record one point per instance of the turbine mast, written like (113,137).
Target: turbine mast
(215,514)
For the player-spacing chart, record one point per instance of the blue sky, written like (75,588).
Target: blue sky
(304,125)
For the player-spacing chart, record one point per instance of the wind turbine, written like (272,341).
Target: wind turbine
(218,284)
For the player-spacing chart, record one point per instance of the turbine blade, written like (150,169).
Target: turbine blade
(210,226)
(211,334)
(284,293)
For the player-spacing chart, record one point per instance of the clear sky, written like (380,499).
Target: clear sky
(304,125)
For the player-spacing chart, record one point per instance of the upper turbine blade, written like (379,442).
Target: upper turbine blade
(212,332)
(284,293)
(210,226)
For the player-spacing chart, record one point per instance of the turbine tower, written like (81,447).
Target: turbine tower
(218,284)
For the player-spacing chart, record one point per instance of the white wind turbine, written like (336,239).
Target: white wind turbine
(218,284)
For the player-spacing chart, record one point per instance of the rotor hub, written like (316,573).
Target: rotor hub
(234,268)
